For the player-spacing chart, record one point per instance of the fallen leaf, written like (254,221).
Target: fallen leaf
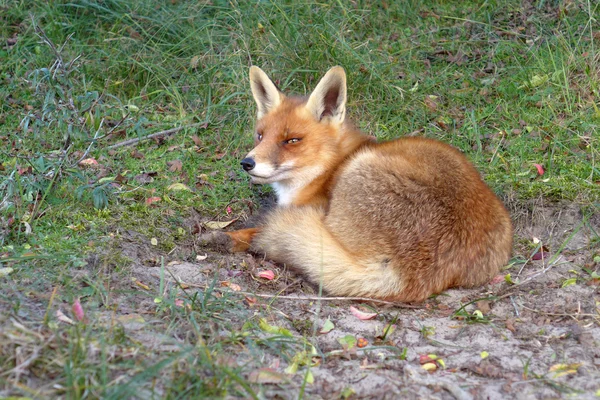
(135,153)
(194,62)
(362,315)
(510,325)
(120,179)
(264,326)
(151,200)
(483,306)
(154,242)
(430,102)
(27,170)
(88,162)
(178,303)
(130,321)
(5,271)
(267,375)
(146,177)
(497,279)
(233,286)
(267,274)
(539,168)
(429,367)
(178,187)
(426,358)
(140,284)
(541,254)
(569,282)
(538,80)
(328,326)
(309,377)
(175,165)
(63,318)
(201,258)
(301,358)
(347,342)
(508,279)
(564,369)
(484,355)
(218,224)
(197,140)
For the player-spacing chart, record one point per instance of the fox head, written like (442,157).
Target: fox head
(296,138)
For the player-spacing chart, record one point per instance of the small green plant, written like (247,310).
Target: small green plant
(474,317)
(427,331)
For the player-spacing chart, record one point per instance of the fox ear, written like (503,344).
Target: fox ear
(265,93)
(328,100)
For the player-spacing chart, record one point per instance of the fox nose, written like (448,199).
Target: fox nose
(248,164)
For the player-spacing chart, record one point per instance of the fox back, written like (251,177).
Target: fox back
(398,220)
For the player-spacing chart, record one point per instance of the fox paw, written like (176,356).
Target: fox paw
(216,240)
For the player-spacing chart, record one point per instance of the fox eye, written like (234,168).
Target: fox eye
(292,140)
(259,136)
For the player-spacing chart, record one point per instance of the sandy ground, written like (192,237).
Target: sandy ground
(534,339)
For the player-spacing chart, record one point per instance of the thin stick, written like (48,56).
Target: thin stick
(318,298)
(130,142)
(508,291)
(299,298)
(560,314)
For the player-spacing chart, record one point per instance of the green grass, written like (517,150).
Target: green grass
(510,85)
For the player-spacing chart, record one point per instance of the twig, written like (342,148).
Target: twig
(318,298)
(512,300)
(35,354)
(507,292)
(129,142)
(560,314)
(92,142)
(299,298)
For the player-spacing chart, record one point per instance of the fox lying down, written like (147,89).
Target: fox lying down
(399,220)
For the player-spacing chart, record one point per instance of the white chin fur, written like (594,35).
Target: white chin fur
(265,173)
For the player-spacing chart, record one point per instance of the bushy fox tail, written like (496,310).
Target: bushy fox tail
(299,237)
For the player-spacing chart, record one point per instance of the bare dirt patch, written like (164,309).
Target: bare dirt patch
(531,336)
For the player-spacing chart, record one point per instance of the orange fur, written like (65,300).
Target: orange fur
(399,220)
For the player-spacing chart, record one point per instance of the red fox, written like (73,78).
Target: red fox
(399,220)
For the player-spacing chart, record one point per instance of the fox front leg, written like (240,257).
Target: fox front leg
(235,241)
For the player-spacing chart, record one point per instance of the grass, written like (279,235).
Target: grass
(511,83)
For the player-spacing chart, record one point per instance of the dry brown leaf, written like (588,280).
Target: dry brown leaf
(483,306)
(136,154)
(197,140)
(175,165)
(510,325)
(218,224)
